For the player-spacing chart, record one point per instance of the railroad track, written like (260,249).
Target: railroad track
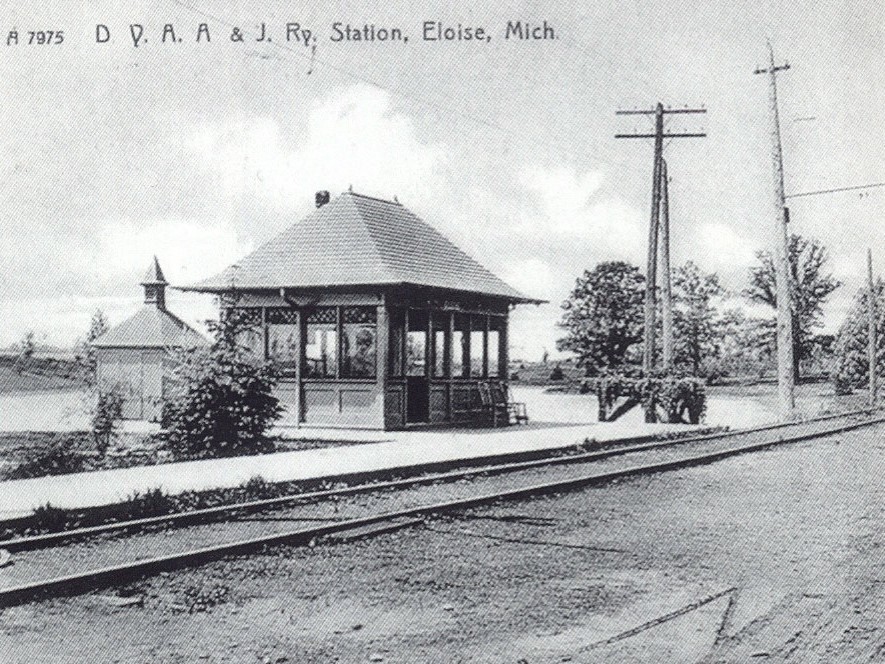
(417,499)
(207,514)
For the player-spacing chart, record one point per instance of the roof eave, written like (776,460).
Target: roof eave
(217,289)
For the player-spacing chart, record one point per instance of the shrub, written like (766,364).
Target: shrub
(153,502)
(557,374)
(56,458)
(678,397)
(257,488)
(47,518)
(106,419)
(226,402)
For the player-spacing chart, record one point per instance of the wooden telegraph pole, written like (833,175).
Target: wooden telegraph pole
(785,376)
(871,328)
(648,355)
(666,288)
(648,338)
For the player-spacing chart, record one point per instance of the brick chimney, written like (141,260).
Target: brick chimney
(322,197)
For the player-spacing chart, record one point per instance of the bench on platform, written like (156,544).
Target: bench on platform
(499,405)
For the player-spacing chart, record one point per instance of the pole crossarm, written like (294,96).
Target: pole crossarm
(666,110)
(773,69)
(687,135)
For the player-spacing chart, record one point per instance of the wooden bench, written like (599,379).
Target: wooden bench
(516,410)
(499,405)
(492,404)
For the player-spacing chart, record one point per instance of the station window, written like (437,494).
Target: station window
(441,344)
(477,345)
(397,342)
(495,327)
(283,340)
(321,343)
(358,342)
(460,349)
(416,343)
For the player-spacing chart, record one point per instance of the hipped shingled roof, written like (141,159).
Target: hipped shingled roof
(151,327)
(356,240)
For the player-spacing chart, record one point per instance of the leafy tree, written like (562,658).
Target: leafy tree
(747,345)
(603,316)
(225,403)
(811,285)
(696,335)
(851,361)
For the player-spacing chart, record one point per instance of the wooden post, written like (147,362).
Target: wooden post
(450,373)
(485,346)
(666,288)
(648,357)
(299,390)
(871,329)
(504,350)
(382,331)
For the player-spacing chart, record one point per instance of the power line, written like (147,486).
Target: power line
(836,190)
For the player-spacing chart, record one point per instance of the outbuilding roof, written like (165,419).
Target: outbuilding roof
(357,240)
(151,327)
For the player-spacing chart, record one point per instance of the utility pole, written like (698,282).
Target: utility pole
(785,369)
(666,289)
(648,340)
(648,355)
(871,329)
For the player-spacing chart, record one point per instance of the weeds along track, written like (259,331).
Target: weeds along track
(108,556)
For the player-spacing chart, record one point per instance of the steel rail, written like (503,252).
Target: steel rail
(116,574)
(201,515)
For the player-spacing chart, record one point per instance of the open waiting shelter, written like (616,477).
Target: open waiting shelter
(375,319)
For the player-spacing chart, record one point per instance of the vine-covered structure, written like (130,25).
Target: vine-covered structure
(374,318)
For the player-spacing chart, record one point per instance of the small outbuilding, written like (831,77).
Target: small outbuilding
(135,357)
(375,319)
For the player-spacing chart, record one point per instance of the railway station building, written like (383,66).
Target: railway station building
(375,319)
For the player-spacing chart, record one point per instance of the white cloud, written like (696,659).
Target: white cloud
(187,249)
(572,205)
(564,196)
(532,276)
(352,138)
(723,247)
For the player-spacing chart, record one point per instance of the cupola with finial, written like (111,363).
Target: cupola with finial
(154,284)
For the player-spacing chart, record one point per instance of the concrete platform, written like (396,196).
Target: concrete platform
(375,452)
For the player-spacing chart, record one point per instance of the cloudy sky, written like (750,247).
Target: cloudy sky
(199,152)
